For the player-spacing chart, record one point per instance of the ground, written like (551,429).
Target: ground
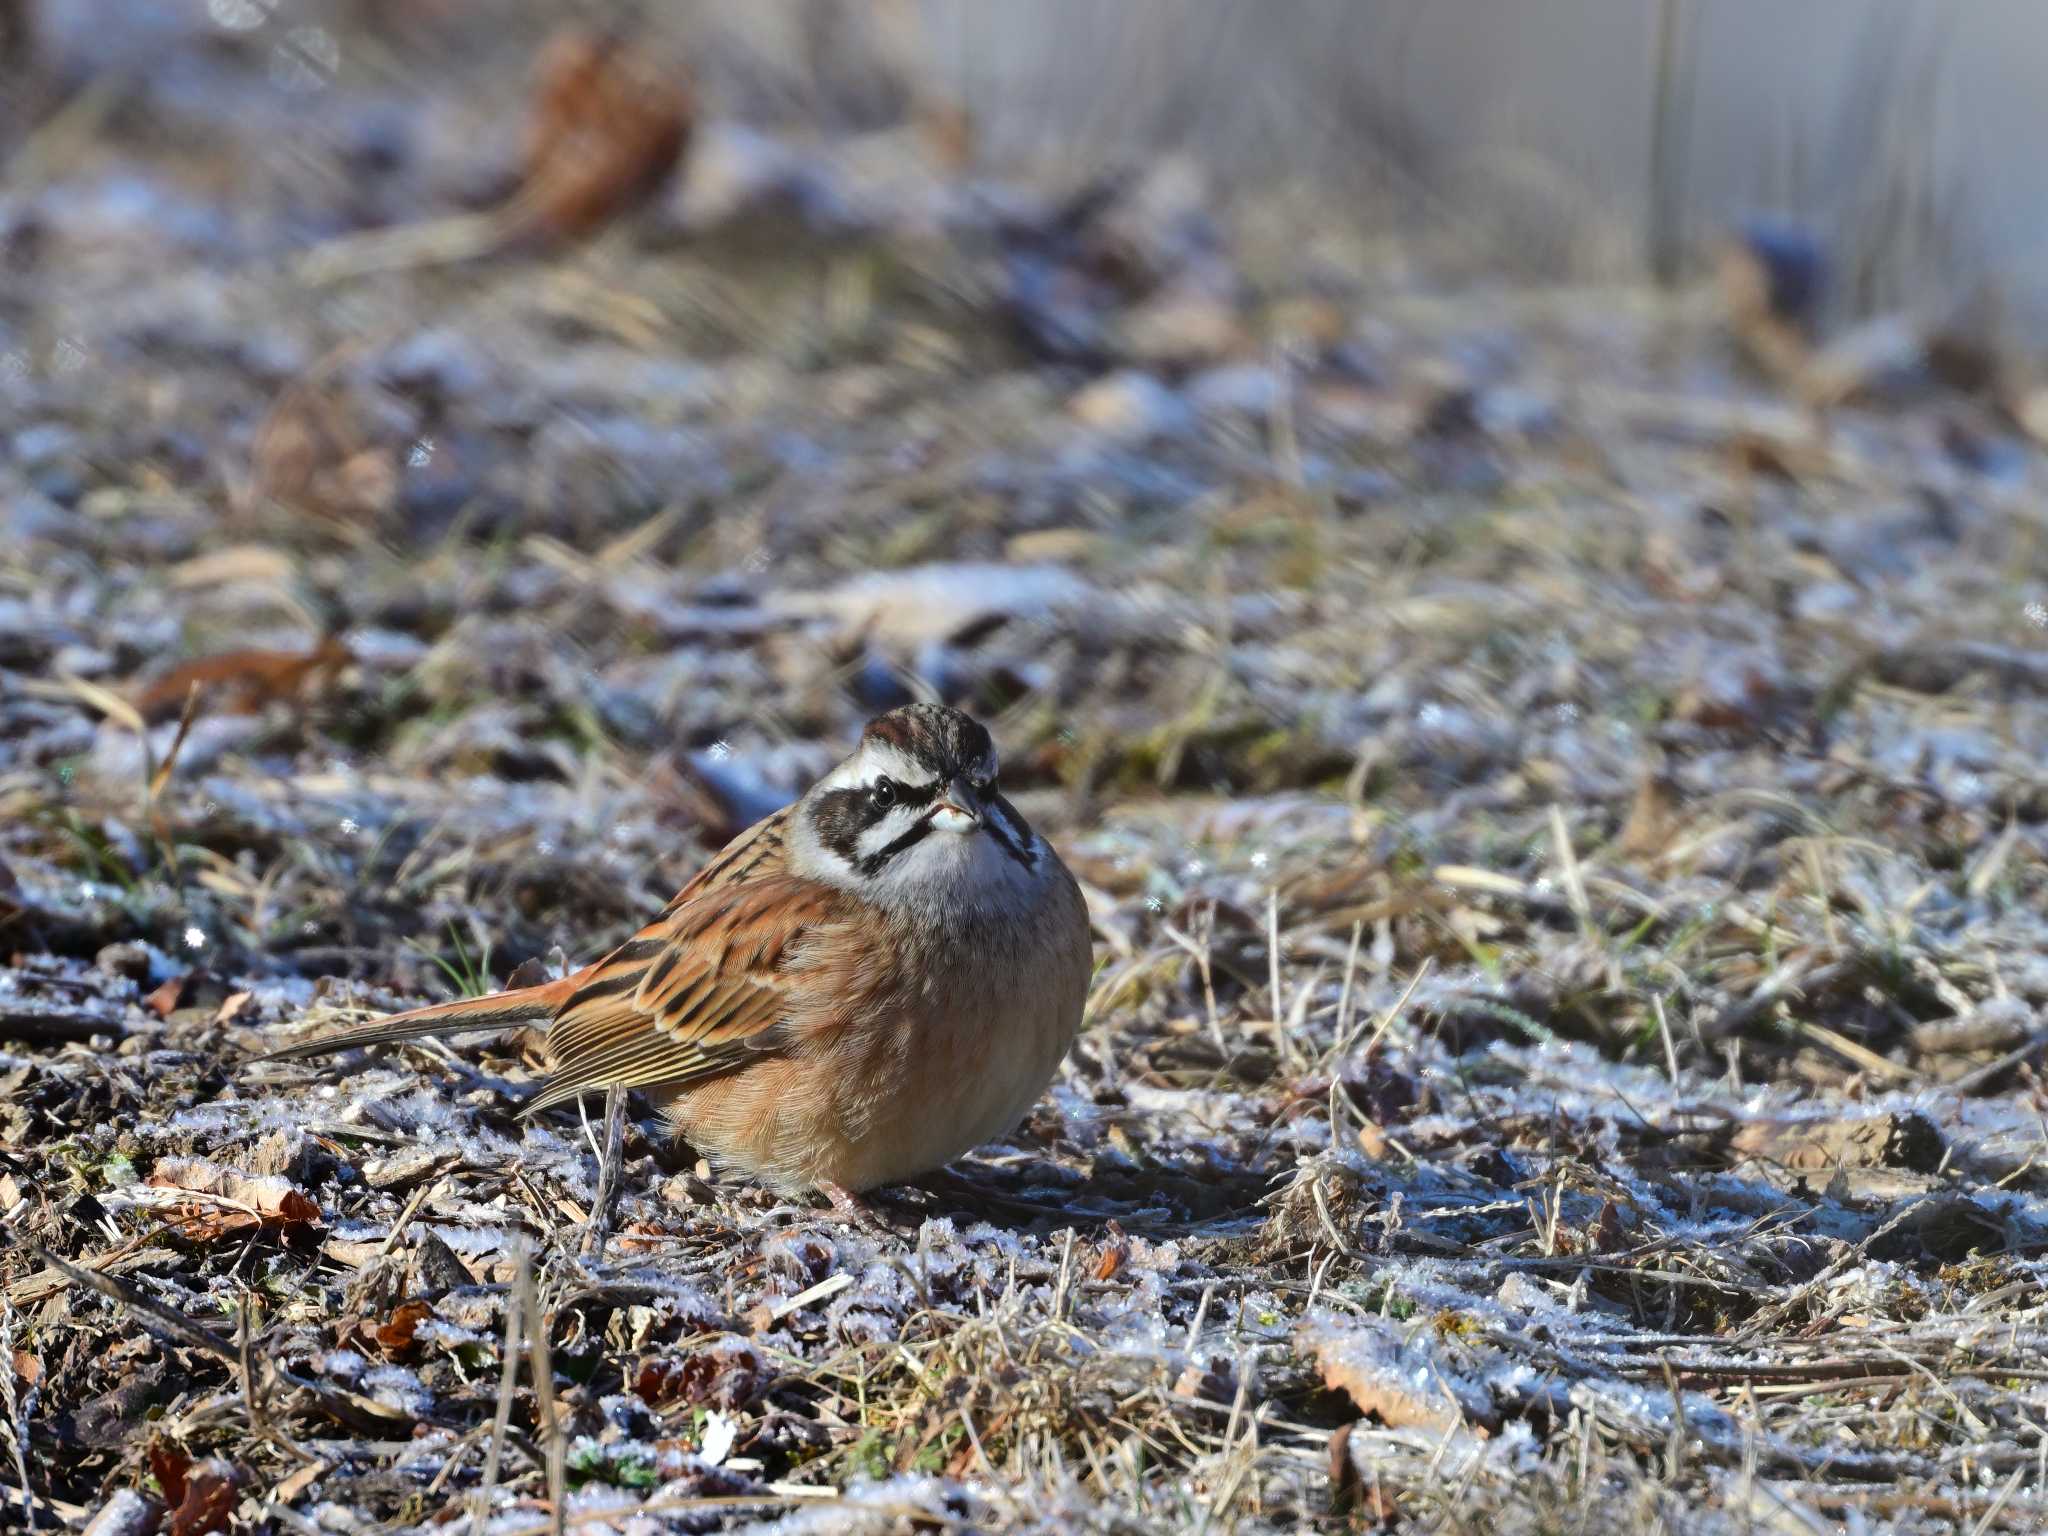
(1558,794)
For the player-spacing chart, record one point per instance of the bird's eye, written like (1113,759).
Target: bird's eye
(884,793)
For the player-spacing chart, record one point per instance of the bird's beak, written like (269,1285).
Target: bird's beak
(958,808)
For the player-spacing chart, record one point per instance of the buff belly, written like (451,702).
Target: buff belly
(891,1097)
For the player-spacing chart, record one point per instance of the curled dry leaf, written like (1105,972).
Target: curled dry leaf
(1398,1379)
(724,1380)
(234,1006)
(212,1488)
(201,1494)
(608,126)
(1609,1233)
(1115,1249)
(166,999)
(243,682)
(168,1465)
(218,1201)
(395,1336)
(645,1237)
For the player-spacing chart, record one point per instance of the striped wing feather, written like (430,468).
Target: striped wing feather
(708,983)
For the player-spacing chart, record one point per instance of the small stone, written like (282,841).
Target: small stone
(435,1268)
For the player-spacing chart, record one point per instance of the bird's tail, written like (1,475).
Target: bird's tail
(522,1005)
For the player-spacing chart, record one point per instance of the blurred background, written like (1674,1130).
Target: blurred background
(1579,138)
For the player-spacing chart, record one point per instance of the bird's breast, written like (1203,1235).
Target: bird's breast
(940,1041)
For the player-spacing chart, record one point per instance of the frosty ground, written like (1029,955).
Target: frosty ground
(1561,809)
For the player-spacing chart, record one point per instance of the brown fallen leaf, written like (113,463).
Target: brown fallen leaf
(1397,1378)
(233,1006)
(1609,1232)
(949,133)
(645,1237)
(607,127)
(724,1380)
(395,1336)
(168,1465)
(222,1200)
(212,1489)
(167,998)
(1115,1249)
(243,682)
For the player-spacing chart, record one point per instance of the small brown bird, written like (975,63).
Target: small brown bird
(857,989)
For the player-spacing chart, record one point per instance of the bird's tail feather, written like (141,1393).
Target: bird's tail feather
(524,1005)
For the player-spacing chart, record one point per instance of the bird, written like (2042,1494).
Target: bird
(855,990)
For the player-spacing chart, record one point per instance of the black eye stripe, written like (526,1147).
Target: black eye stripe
(841,815)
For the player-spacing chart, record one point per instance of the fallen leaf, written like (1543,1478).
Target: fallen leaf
(212,1488)
(1397,1378)
(243,682)
(1609,1233)
(168,1465)
(1114,1251)
(252,564)
(166,999)
(233,1006)
(644,1237)
(724,1379)
(220,1200)
(1652,817)
(395,1337)
(28,1370)
(1373,1142)
(607,127)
